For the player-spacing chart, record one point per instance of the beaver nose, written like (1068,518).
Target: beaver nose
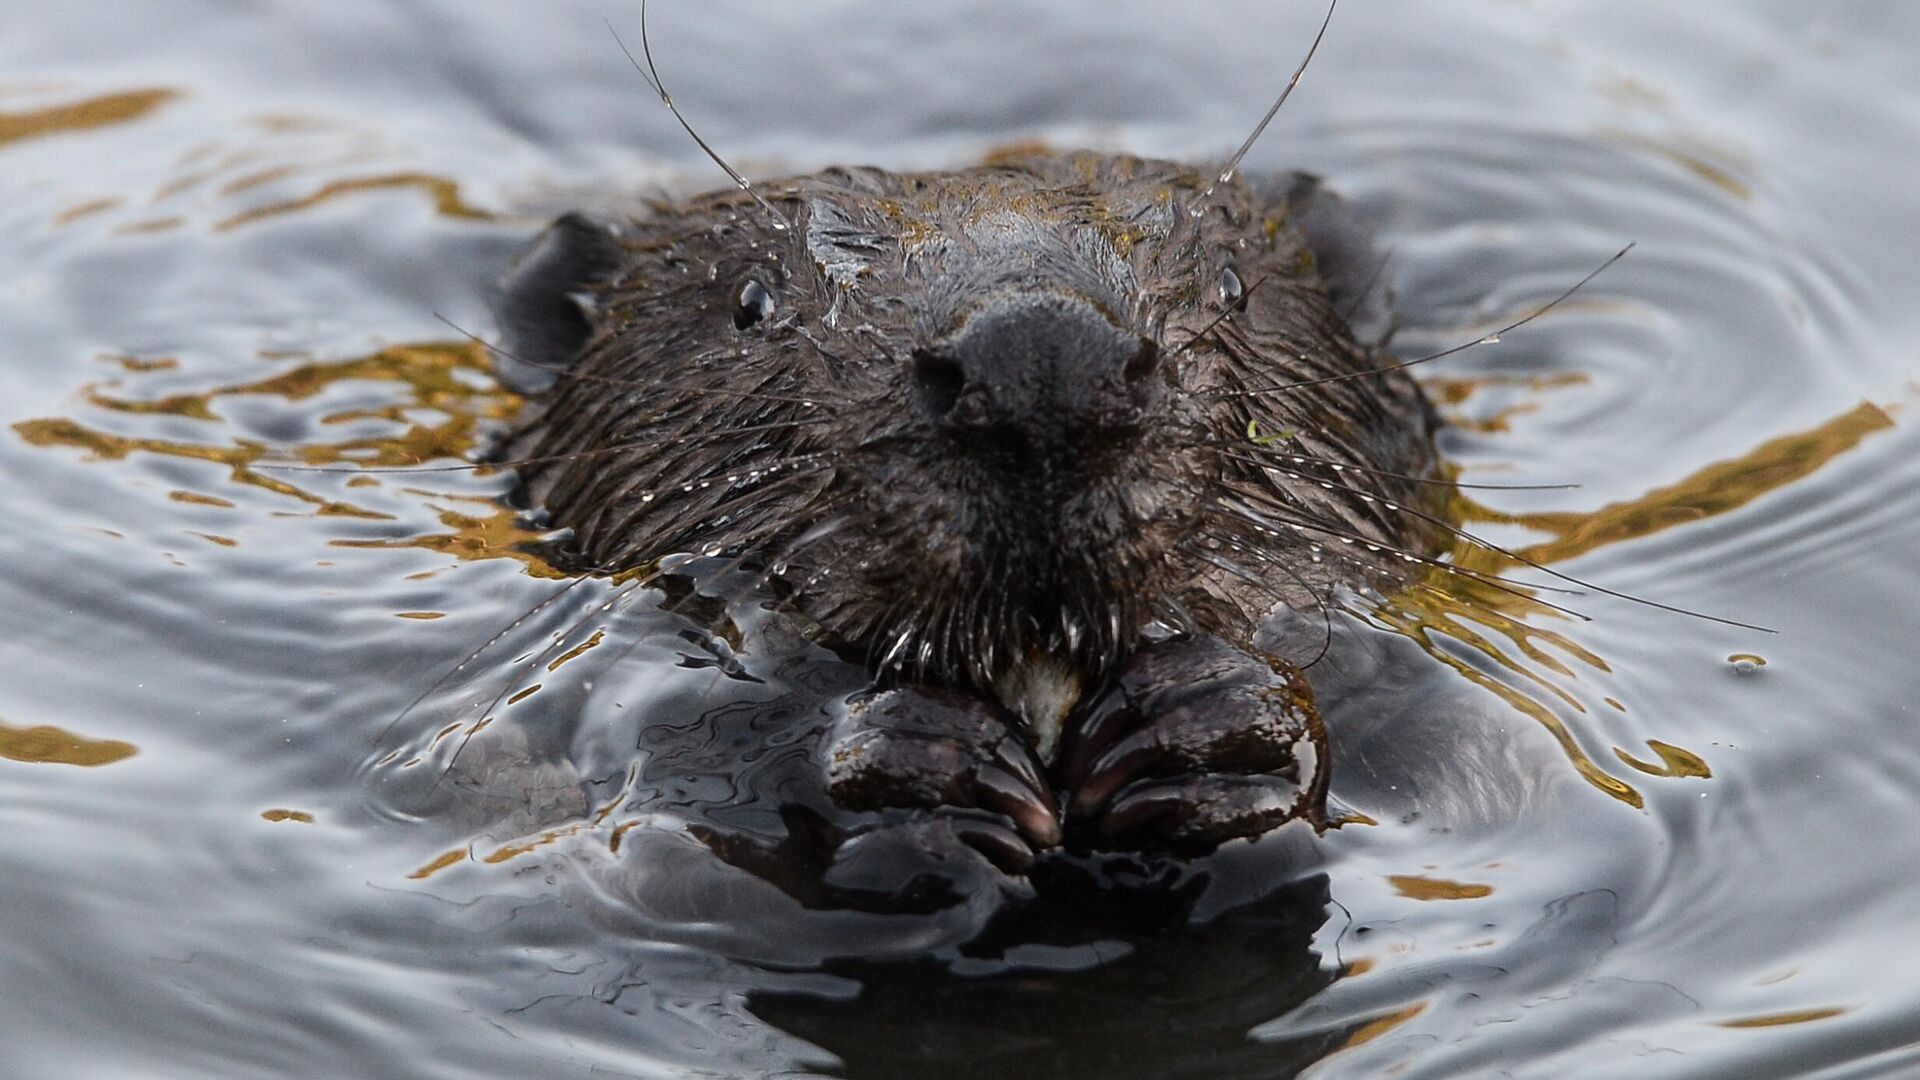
(1042,365)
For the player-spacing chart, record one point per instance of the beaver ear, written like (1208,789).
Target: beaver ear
(544,302)
(1350,262)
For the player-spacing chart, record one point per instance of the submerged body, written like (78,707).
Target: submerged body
(1044,441)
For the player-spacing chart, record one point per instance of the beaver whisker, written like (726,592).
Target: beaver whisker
(548,459)
(478,651)
(1231,450)
(562,371)
(1319,598)
(651,75)
(531,661)
(671,538)
(1366,292)
(1487,545)
(1523,590)
(1232,309)
(1485,339)
(632,502)
(1233,164)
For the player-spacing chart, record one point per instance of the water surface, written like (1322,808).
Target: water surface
(1641,845)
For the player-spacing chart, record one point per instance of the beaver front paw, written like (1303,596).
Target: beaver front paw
(957,758)
(1194,743)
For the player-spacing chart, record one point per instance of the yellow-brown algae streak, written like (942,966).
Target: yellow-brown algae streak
(150,225)
(1675,761)
(86,209)
(1716,489)
(497,536)
(445,194)
(1428,611)
(1691,160)
(578,650)
(1443,603)
(103,111)
(198,499)
(1414,887)
(298,816)
(514,851)
(140,365)
(45,744)
(1380,1025)
(1782,1019)
(445,860)
(434,372)
(421,614)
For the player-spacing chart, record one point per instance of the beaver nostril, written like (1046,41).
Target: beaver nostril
(940,378)
(1143,363)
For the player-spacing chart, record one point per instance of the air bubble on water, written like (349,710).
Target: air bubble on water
(1746,663)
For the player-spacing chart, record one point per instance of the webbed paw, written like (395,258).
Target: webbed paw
(955,757)
(1194,743)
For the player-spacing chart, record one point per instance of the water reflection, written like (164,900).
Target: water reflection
(605,882)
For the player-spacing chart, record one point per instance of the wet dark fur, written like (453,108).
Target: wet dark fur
(807,443)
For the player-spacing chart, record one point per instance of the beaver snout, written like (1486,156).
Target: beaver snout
(1037,370)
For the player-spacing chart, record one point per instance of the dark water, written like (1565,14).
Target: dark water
(1643,845)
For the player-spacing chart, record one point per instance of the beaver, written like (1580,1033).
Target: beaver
(1044,441)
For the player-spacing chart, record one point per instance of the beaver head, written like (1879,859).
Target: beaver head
(991,425)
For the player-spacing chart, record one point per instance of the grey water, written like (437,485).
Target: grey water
(1641,845)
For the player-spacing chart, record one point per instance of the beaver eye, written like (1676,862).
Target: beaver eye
(1232,293)
(752,304)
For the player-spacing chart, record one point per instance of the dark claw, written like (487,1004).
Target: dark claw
(1198,813)
(1196,742)
(1001,846)
(914,748)
(1225,728)
(1033,813)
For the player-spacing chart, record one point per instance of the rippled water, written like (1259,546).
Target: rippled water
(1643,845)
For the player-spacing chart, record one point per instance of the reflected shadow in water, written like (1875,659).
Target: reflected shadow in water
(1088,980)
